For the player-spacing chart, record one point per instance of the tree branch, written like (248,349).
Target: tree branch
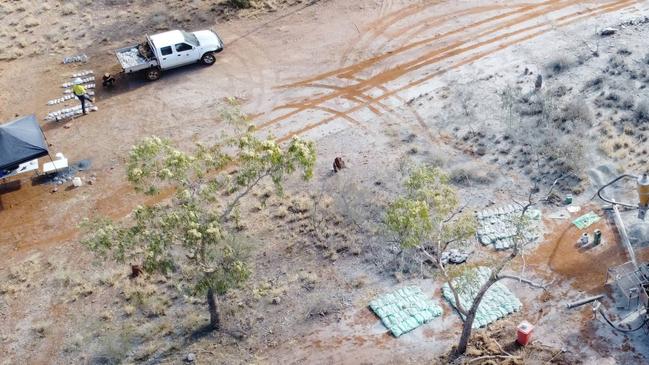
(493,357)
(456,212)
(456,297)
(236,200)
(526,281)
(501,348)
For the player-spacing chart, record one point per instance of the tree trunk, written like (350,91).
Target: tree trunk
(493,278)
(470,315)
(215,318)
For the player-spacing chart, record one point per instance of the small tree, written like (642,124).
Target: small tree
(429,219)
(519,242)
(192,238)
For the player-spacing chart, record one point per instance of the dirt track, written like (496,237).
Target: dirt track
(399,56)
(310,72)
(398,70)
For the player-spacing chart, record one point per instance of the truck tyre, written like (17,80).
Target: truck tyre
(152,74)
(208,59)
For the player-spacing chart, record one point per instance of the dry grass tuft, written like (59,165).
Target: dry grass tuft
(472,173)
(300,204)
(617,146)
(129,310)
(41,328)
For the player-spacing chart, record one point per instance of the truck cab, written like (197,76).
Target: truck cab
(178,48)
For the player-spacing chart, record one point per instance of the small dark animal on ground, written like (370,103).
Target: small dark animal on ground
(339,164)
(136,270)
(108,80)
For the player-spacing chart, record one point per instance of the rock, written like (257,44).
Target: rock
(607,32)
(276,300)
(31,22)
(191,357)
(54,190)
(90,182)
(399,276)
(454,256)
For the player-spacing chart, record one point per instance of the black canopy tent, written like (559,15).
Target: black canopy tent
(21,140)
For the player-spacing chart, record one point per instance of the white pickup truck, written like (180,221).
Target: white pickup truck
(169,50)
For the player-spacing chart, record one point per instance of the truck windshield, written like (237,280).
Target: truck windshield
(190,38)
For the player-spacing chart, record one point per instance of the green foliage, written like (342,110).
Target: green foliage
(410,221)
(431,185)
(427,212)
(193,237)
(240,4)
(155,163)
(230,273)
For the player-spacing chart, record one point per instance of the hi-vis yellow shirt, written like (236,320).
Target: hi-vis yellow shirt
(78,90)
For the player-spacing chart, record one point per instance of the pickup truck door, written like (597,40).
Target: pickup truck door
(183,54)
(166,55)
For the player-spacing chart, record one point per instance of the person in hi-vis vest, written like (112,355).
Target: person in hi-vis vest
(80,92)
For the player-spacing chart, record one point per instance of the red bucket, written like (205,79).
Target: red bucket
(524,333)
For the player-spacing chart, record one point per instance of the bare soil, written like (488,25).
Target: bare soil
(376,82)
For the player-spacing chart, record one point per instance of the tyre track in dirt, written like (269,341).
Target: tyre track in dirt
(345,72)
(382,78)
(113,205)
(374,60)
(433,56)
(250,53)
(409,31)
(386,109)
(442,18)
(108,205)
(400,70)
(385,21)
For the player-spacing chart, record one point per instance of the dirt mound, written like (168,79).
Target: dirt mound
(497,345)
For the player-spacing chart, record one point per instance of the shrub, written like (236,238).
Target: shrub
(112,348)
(645,59)
(577,110)
(559,65)
(624,52)
(617,146)
(68,9)
(571,152)
(642,111)
(41,329)
(323,305)
(617,62)
(471,173)
(240,4)
(530,105)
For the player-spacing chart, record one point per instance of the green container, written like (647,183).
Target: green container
(568,199)
(597,237)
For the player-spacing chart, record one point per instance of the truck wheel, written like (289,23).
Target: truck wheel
(208,59)
(152,74)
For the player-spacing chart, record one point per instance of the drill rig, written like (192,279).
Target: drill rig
(630,279)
